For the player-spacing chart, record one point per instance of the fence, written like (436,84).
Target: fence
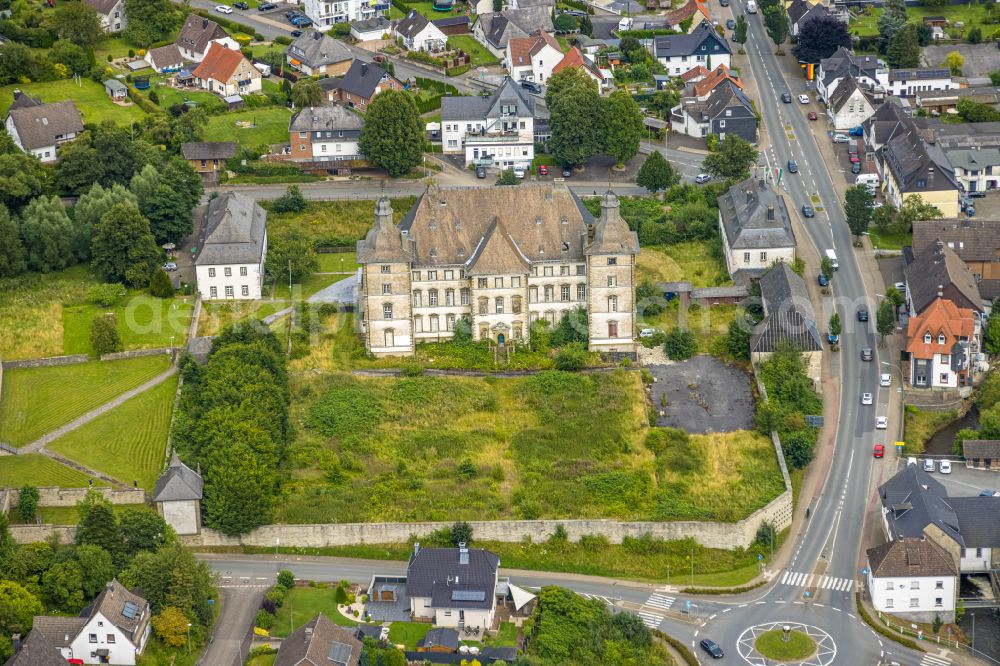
(907,631)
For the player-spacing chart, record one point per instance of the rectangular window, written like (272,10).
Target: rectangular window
(243,271)
(432,275)
(211,272)
(548,294)
(763,257)
(547,271)
(938,602)
(581,269)
(581,292)
(746,257)
(385,269)
(612,281)
(515,304)
(386,288)
(229,292)
(564,292)
(498,283)
(890,585)
(499,305)
(432,298)
(465,297)
(213,292)
(534,271)
(449,322)
(418,324)
(93,638)
(449,297)
(515,282)
(245,289)
(979,552)
(533,295)
(939,585)
(612,304)
(387,311)
(915,585)
(564,270)
(449,275)
(228,271)
(612,261)
(612,329)
(482,283)
(434,324)
(416,299)
(416,276)
(888,603)
(914,602)
(111,638)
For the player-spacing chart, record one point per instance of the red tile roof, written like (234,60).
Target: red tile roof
(941,317)
(687,11)
(523,48)
(220,63)
(574,58)
(694,73)
(717,76)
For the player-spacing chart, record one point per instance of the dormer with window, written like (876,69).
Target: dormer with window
(940,338)
(927,338)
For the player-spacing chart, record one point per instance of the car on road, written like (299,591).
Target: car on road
(519,172)
(296,33)
(786,97)
(866,399)
(241,5)
(812,115)
(945,467)
(862,313)
(822,280)
(170,266)
(832,339)
(881,422)
(543,170)
(711,647)
(724,3)
(988,493)
(866,354)
(266,7)
(566,172)
(224,9)
(901,286)
(928,465)
(807,211)
(841,138)
(803,99)
(884,379)
(480,172)
(731,24)
(855,159)
(879,451)
(855,167)
(702,178)
(792,167)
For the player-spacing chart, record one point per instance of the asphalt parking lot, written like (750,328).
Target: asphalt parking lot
(702,395)
(965,482)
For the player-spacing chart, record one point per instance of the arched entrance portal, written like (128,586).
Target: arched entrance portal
(500,339)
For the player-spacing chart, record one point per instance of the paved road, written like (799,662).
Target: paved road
(238,607)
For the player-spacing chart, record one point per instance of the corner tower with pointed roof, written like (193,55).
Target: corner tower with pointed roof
(611,249)
(386,256)
(178,496)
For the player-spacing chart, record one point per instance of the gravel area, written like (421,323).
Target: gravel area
(702,395)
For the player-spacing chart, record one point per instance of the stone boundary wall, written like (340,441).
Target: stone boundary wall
(64,534)
(54,496)
(46,362)
(135,353)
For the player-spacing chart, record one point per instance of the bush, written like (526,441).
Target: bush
(572,357)
(106,294)
(27,504)
(286,579)
(340,595)
(291,201)
(160,285)
(104,338)
(283,40)
(461,532)
(680,344)
(268,605)
(881,629)
(276,595)
(264,620)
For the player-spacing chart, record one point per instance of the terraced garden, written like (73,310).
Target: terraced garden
(38,400)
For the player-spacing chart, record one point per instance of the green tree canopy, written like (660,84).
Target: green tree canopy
(576,117)
(885,319)
(96,568)
(776,23)
(98,526)
(67,53)
(393,136)
(307,92)
(90,208)
(124,249)
(732,158)
(150,21)
(62,586)
(891,21)
(12,255)
(740,32)
(858,209)
(622,126)
(22,177)
(291,250)
(78,22)
(656,173)
(904,49)
(27,503)
(18,608)
(47,234)
(820,37)
(142,529)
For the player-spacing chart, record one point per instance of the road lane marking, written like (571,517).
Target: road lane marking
(651,620)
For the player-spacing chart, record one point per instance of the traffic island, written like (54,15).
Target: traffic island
(785,646)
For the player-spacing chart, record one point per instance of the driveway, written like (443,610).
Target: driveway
(702,395)
(239,606)
(343,291)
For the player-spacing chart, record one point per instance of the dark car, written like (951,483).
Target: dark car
(855,167)
(532,86)
(822,280)
(862,313)
(266,7)
(807,211)
(786,97)
(296,33)
(724,3)
(988,493)
(480,172)
(792,167)
(711,647)
(301,21)
(731,24)
(292,13)
(241,5)
(866,354)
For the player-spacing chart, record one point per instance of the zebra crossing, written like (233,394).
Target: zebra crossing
(656,602)
(817,580)
(660,601)
(931,660)
(651,620)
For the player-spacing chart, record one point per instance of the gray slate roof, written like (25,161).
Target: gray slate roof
(889,120)
(38,126)
(58,631)
(843,93)
(981,448)
(478,108)
(687,45)
(377,23)
(442,637)
(362,78)
(912,500)
(744,210)
(178,483)
(725,96)
(412,25)
(102,6)
(916,165)
(978,520)
(844,62)
(499,27)
(976,239)
(967,135)
(974,159)
(788,313)
(315,49)
(113,604)
(319,642)
(235,227)
(936,267)
(166,56)
(197,32)
(209,150)
(325,119)
(23,100)
(36,650)
(432,572)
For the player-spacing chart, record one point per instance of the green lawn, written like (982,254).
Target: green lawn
(506,636)
(970,14)
(115,47)
(36,470)
(91,100)
(270,126)
(129,442)
(772,644)
(334,223)
(144,322)
(708,323)
(480,55)
(262,660)
(169,96)
(302,604)
(888,241)
(307,287)
(692,261)
(216,315)
(408,633)
(337,262)
(38,400)
(68,515)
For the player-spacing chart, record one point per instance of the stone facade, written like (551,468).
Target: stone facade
(55,496)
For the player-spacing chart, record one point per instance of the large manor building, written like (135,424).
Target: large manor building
(503,257)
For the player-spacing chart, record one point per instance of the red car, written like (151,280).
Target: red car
(854,158)
(879,451)
(543,170)
(812,115)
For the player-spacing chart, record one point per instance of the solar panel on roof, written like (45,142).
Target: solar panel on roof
(468,595)
(130,610)
(340,653)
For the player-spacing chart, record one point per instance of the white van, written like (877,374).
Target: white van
(751,7)
(867,179)
(832,256)
(625,24)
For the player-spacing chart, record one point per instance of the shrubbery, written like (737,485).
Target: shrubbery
(790,398)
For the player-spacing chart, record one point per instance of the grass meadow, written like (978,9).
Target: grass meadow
(36,470)
(216,315)
(129,442)
(270,125)
(691,261)
(31,321)
(93,103)
(144,322)
(334,222)
(303,604)
(38,400)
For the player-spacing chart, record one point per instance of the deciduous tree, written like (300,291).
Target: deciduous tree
(27,503)
(577,119)
(680,344)
(291,201)
(171,625)
(96,568)
(98,526)
(740,32)
(78,22)
(88,211)
(18,608)
(47,235)
(22,178)
(393,136)
(891,21)
(622,126)
(904,50)
(819,38)
(159,284)
(835,325)
(124,249)
(62,586)
(238,491)
(885,319)
(142,530)
(149,21)
(776,22)
(12,259)
(656,174)
(858,209)
(67,53)
(507,177)
(291,250)
(307,92)
(954,61)
(732,158)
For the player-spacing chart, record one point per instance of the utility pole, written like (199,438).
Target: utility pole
(291,317)
(692,565)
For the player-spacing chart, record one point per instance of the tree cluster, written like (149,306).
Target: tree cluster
(819,38)
(790,398)
(731,158)
(692,215)
(393,136)
(233,421)
(887,219)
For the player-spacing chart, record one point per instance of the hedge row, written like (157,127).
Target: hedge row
(684,651)
(435,85)
(577,4)
(458,71)
(882,629)
(142,101)
(722,590)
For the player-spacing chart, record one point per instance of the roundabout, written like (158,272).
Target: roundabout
(808,645)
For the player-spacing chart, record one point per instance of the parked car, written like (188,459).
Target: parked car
(566,172)
(945,467)
(711,647)
(855,159)
(812,115)
(867,399)
(807,211)
(822,280)
(266,7)
(928,465)
(543,170)
(301,21)
(855,167)
(241,5)
(879,451)
(988,493)
(866,354)
(170,266)
(532,86)
(832,339)
(901,286)
(724,3)
(224,9)
(480,172)
(292,13)
(841,138)
(647,332)
(519,172)
(296,33)
(702,178)
(786,97)
(857,130)
(803,99)
(881,422)
(885,379)
(862,313)
(792,167)
(731,24)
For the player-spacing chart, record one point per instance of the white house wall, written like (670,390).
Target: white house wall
(918,598)
(121,651)
(213,287)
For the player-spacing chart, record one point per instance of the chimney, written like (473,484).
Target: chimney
(308,634)
(204,24)
(416,548)
(16,640)
(770,212)
(364,69)
(940,291)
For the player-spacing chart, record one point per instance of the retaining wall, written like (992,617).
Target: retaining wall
(54,496)
(45,362)
(35,533)
(115,356)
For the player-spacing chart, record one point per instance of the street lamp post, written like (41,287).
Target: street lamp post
(189,637)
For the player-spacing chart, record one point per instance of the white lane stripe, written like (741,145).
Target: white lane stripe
(931,660)
(784,579)
(826,580)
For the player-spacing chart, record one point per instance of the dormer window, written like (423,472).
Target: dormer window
(940,338)
(921,182)
(927,338)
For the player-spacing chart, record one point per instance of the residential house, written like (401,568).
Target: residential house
(113,630)
(866,69)
(975,241)
(116,90)
(937,102)
(316,53)
(232,248)
(693,75)
(693,12)
(198,34)
(725,110)
(503,257)
(370,30)
(327,13)
(850,105)
(532,58)
(890,119)
(439,640)
(35,650)
(453,25)
(973,149)
(453,587)
(359,85)
(324,134)
(982,454)
(801,12)
(911,166)
(419,34)
(110,12)
(941,342)
(789,319)
(177,497)
(39,129)
(165,59)
(703,46)
(208,156)
(226,72)
(495,29)
(909,82)
(915,506)
(936,271)
(319,641)
(575,59)
(495,131)
(756,229)
(913,579)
